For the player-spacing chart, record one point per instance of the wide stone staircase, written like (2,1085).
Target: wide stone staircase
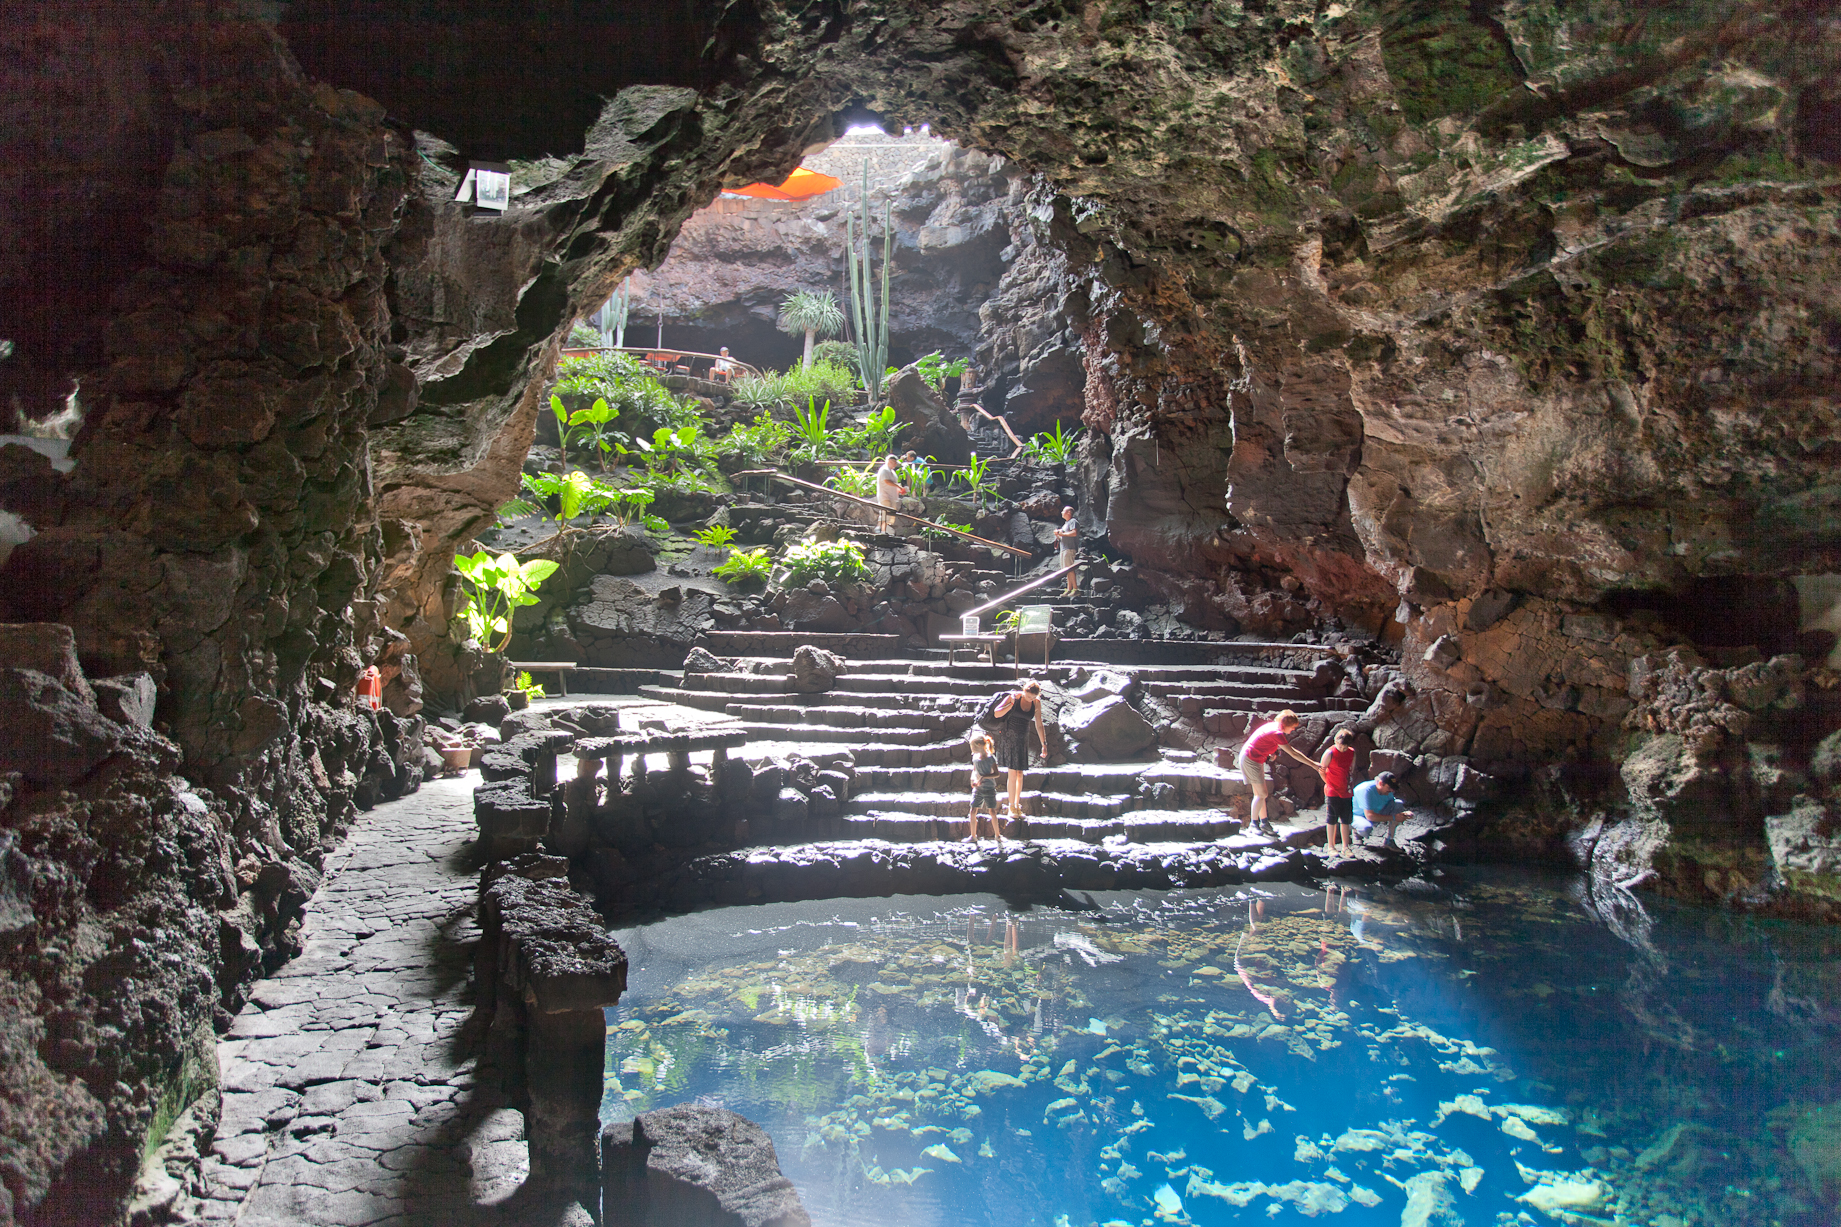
(889,737)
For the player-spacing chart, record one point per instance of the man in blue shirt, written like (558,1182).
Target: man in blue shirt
(1376,803)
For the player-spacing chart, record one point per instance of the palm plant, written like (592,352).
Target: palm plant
(811,312)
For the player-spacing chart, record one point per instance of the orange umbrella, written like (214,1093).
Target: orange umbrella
(799,185)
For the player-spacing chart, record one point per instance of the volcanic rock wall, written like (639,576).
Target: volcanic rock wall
(1481,326)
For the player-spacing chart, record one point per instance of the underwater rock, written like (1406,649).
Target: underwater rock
(1429,1202)
(1564,1195)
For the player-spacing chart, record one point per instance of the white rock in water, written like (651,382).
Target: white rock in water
(1428,1202)
(1468,1104)
(1513,1126)
(1168,1203)
(1470,1177)
(1564,1195)
(940,1152)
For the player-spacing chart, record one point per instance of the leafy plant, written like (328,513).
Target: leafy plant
(835,562)
(492,588)
(811,426)
(584,336)
(530,688)
(672,448)
(975,475)
(811,312)
(762,393)
(915,476)
(877,434)
(870,318)
(715,536)
(841,352)
(744,566)
(590,424)
(930,531)
(758,442)
(852,480)
(575,492)
(822,381)
(1056,448)
(1006,621)
(631,505)
(935,370)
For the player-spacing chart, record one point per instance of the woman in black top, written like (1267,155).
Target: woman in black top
(1014,713)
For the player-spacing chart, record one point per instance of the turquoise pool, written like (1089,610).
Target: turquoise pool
(1499,1050)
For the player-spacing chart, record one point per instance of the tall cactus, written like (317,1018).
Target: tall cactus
(611,318)
(872,325)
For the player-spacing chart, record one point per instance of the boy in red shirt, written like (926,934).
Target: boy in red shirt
(1338,766)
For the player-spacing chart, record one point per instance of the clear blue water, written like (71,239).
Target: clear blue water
(1498,1052)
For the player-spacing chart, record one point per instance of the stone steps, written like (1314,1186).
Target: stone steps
(852,645)
(955,804)
(1140,826)
(1076,779)
(846,719)
(764,730)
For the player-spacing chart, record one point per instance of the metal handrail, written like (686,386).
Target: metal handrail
(878,507)
(748,368)
(1031,586)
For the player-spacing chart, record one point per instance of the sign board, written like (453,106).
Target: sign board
(488,184)
(1035,620)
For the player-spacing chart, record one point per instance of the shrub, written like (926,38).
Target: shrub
(760,393)
(716,535)
(837,353)
(744,566)
(822,381)
(758,442)
(835,562)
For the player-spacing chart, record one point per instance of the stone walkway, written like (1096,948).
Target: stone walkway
(349,1096)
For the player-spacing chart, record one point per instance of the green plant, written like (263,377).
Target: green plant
(876,436)
(811,426)
(851,480)
(744,566)
(1006,621)
(930,531)
(823,381)
(835,562)
(872,322)
(935,370)
(915,476)
(675,448)
(575,493)
(631,505)
(715,536)
(491,588)
(611,318)
(761,393)
(843,353)
(584,336)
(530,688)
(759,441)
(1056,448)
(811,312)
(590,424)
(974,475)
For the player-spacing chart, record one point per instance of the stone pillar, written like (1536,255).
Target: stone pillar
(555,972)
(694,1165)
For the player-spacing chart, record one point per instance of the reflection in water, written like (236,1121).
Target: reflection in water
(1505,1053)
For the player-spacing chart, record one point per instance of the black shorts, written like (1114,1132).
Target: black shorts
(986,795)
(1342,810)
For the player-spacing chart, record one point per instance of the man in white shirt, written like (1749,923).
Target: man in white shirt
(888,494)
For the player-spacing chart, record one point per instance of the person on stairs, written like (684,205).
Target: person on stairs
(1067,536)
(1012,715)
(1338,763)
(1261,745)
(888,495)
(984,789)
(1376,803)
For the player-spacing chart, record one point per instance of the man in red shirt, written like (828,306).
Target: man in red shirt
(1261,744)
(1338,765)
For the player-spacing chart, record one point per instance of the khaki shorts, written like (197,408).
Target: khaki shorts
(1255,774)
